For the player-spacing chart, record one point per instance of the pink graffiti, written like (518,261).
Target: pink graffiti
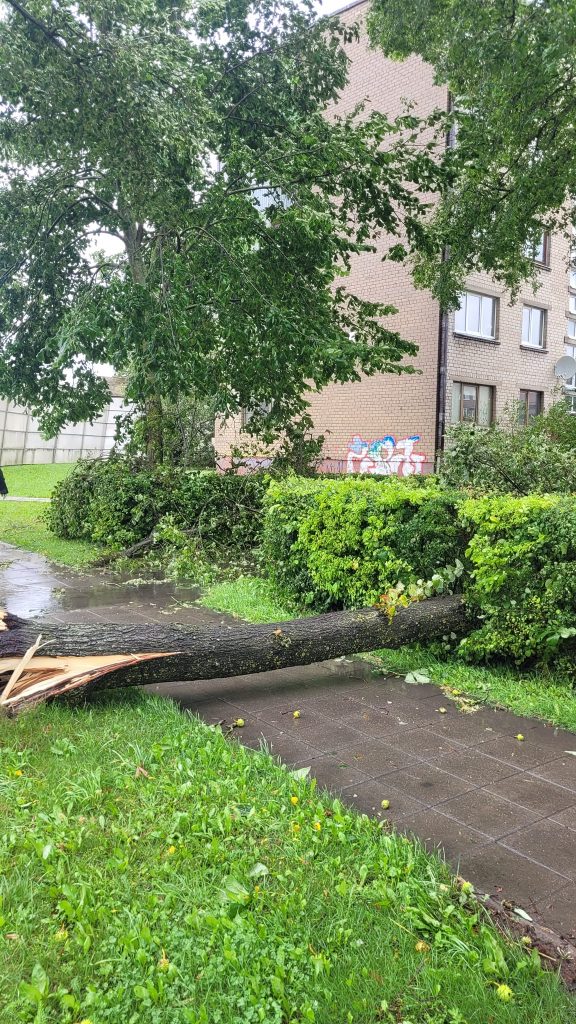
(385,457)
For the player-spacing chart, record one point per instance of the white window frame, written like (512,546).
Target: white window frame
(572,302)
(465,329)
(572,278)
(532,310)
(570,328)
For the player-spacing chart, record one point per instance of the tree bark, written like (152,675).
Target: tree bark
(222,651)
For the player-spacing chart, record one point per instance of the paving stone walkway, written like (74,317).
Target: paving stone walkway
(502,810)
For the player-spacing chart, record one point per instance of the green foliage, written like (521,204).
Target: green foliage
(153,871)
(523,580)
(227,281)
(509,457)
(117,503)
(510,173)
(336,543)
(110,501)
(187,433)
(298,450)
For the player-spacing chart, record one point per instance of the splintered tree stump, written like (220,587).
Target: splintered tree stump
(184,653)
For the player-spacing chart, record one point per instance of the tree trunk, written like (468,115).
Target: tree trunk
(212,653)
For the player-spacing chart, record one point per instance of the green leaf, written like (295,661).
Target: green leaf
(235,892)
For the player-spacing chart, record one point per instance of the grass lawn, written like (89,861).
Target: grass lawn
(24,525)
(549,697)
(247,597)
(153,872)
(35,481)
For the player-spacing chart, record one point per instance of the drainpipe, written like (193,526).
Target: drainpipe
(441,385)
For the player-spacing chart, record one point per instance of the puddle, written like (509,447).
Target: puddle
(31,586)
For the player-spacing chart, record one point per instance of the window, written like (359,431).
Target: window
(572,303)
(472,403)
(533,326)
(539,249)
(263,409)
(531,403)
(572,281)
(571,328)
(476,316)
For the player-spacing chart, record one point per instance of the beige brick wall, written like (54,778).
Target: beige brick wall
(506,365)
(385,405)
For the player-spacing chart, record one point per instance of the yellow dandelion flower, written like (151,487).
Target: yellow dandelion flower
(171,850)
(505,993)
(294,800)
(316,826)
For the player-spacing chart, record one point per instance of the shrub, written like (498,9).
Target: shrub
(111,502)
(336,543)
(523,579)
(511,458)
(67,514)
(221,509)
(117,503)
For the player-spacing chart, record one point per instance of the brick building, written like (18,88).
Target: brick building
(472,363)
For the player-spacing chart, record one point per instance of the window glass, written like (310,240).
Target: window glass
(539,249)
(572,303)
(469,403)
(533,326)
(530,405)
(487,317)
(456,399)
(573,278)
(460,316)
(534,404)
(484,406)
(476,315)
(571,328)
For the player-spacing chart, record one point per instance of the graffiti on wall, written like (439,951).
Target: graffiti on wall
(385,457)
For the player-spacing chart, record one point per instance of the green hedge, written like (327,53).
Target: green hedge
(341,543)
(117,503)
(522,583)
(336,543)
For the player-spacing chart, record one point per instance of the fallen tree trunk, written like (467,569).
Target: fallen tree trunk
(184,653)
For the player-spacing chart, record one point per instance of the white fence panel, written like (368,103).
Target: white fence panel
(21,442)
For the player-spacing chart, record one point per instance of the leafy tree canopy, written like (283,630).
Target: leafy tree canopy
(198,136)
(511,69)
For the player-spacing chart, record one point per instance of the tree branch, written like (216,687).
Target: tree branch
(50,35)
